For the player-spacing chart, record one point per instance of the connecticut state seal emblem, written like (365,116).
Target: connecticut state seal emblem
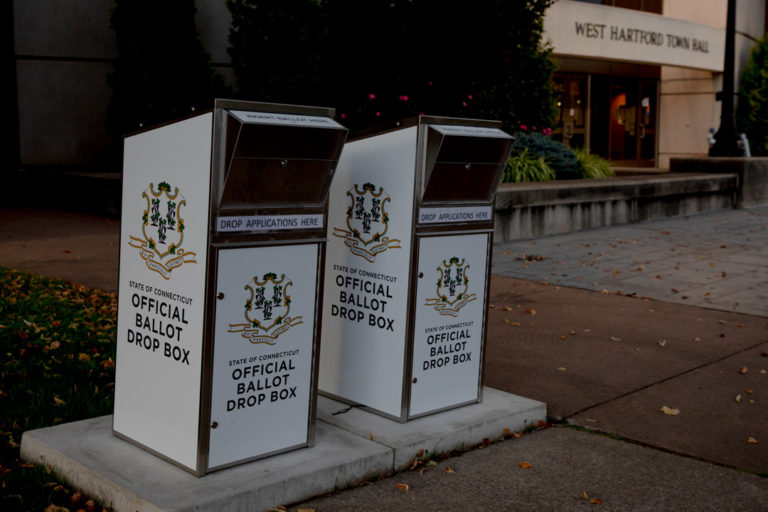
(452,288)
(367,223)
(162,229)
(267,310)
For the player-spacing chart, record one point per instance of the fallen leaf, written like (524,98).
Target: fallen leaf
(697,339)
(737,398)
(561,368)
(431,463)
(526,465)
(449,470)
(516,324)
(721,322)
(305,510)
(517,435)
(748,391)
(572,332)
(530,311)
(507,432)
(506,320)
(402,486)
(605,292)
(669,411)
(661,343)
(614,338)
(584,496)
(507,308)
(596,501)
(370,434)
(640,268)
(743,370)
(752,440)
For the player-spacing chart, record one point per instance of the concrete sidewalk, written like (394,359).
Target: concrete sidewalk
(577,323)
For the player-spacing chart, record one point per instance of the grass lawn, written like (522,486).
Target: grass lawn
(57,342)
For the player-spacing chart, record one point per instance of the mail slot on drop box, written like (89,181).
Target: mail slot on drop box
(408,263)
(222,249)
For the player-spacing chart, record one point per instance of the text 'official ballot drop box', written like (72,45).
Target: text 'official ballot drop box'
(408,262)
(221,259)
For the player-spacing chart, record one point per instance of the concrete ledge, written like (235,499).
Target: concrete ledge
(456,429)
(752,173)
(529,210)
(123,476)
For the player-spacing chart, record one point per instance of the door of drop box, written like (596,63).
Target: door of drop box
(449,321)
(263,351)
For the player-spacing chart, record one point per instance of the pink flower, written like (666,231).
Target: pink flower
(378,114)
(547,131)
(463,103)
(429,83)
(371,97)
(534,128)
(523,127)
(343,116)
(403,98)
(469,96)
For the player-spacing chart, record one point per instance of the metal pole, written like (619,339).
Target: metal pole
(726,137)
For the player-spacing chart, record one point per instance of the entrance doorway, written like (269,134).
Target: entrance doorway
(632,122)
(614,116)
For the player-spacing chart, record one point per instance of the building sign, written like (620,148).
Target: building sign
(585,30)
(450,314)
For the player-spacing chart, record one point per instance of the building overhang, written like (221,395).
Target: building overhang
(579,29)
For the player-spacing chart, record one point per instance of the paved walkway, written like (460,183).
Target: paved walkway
(610,328)
(714,260)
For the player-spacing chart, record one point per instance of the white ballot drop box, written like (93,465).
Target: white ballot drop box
(222,244)
(408,262)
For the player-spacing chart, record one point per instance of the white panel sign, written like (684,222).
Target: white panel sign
(263,351)
(284,119)
(455,214)
(470,131)
(585,30)
(262,223)
(450,313)
(367,264)
(163,251)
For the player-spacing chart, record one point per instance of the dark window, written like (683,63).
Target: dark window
(638,5)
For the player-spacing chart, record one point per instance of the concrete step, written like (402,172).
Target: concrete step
(530,210)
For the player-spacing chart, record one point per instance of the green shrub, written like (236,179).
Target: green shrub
(524,167)
(380,61)
(557,155)
(592,165)
(752,111)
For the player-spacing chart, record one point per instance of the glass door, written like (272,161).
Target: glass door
(632,135)
(572,110)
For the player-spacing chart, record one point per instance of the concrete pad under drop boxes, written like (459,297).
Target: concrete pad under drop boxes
(127,478)
(454,429)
